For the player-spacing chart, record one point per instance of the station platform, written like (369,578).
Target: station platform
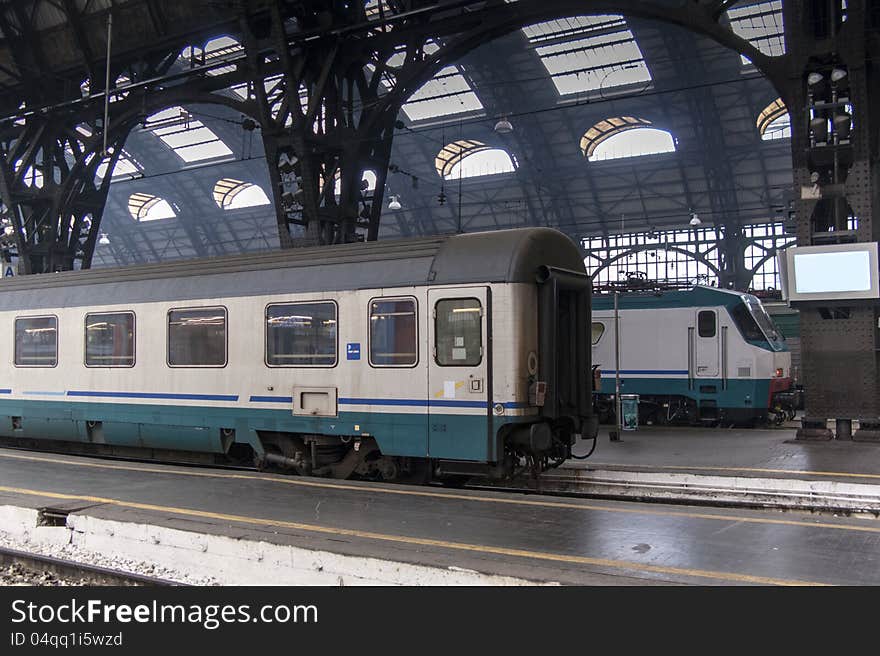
(241,527)
(758,467)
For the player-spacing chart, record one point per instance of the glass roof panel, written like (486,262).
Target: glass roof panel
(588,53)
(125,167)
(186,136)
(447,93)
(215,51)
(761,24)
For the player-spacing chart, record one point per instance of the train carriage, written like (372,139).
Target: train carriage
(454,355)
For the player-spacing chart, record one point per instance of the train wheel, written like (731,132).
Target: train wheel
(418,473)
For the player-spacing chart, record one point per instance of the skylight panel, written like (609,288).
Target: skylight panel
(215,51)
(446,94)
(588,53)
(186,136)
(761,25)
(125,167)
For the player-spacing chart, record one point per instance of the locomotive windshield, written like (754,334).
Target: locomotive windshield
(756,325)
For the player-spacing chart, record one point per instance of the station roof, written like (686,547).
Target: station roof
(619,124)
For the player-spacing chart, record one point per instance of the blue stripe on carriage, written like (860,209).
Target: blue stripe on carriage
(440,403)
(156,395)
(418,403)
(646,372)
(5,391)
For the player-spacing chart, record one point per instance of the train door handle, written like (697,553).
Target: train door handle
(476,385)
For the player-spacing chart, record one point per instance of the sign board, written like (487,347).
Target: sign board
(353,351)
(836,272)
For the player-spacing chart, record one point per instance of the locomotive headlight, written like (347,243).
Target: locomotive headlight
(779,372)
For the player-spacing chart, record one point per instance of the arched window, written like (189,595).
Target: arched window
(468,158)
(230,194)
(625,136)
(774,121)
(146,207)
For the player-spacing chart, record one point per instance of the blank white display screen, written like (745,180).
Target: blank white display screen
(832,272)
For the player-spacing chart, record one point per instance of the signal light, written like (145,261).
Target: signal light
(779,372)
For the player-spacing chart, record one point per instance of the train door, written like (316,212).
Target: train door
(459,383)
(706,347)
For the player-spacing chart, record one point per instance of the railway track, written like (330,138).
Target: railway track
(82,572)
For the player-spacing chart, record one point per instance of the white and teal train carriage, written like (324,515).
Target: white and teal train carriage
(443,356)
(700,354)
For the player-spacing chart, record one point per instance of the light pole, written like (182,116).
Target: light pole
(618,417)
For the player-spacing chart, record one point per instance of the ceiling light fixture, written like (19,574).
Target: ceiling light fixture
(104,240)
(695,220)
(504,126)
(394,203)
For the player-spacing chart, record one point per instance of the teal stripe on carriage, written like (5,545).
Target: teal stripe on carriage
(734,393)
(200,428)
(646,372)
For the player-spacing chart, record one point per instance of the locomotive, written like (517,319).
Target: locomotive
(698,355)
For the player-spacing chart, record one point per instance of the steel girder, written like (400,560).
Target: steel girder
(837,181)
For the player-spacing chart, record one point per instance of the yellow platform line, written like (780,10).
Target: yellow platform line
(760,470)
(409,492)
(422,542)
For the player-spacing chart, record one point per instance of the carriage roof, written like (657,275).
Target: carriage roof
(696,296)
(483,257)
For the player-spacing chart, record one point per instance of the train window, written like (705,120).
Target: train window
(36,342)
(746,324)
(197,337)
(597,332)
(393,332)
(301,335)
(110,339)
(458,332)
(706,323)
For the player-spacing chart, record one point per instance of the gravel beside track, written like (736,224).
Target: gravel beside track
(18,574)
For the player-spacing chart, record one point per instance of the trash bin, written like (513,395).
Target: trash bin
(629,409)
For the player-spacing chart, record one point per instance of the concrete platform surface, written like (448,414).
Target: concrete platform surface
(769,453)
(300,530)
(721,466)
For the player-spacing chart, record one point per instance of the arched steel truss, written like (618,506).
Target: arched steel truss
(326,99)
